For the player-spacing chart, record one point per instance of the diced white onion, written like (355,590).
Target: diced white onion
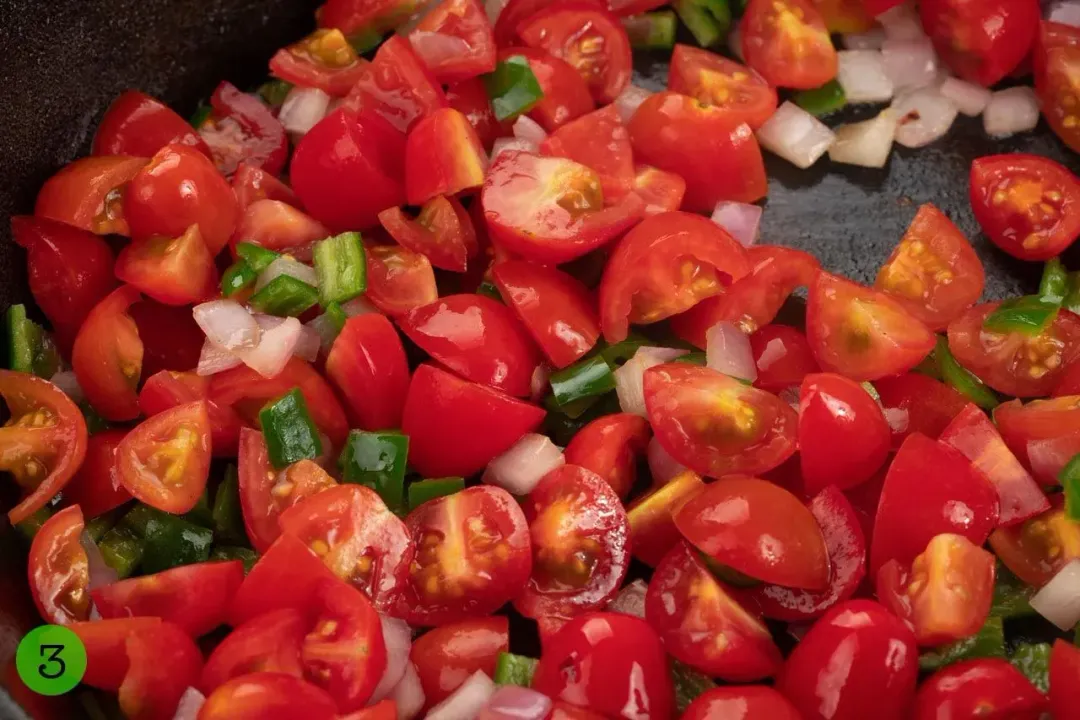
(898,419)
(68,384)
(408,694)
(287,266)
(969,98)
(467,701)
(520,468)
(275,348)
(866,143)
(100,572)
(325,330)
(923,116)
(303,108)
(506,144)
(727,350)
(795,135)
(511,702)
(436,47)
(1059,600)
(862,75)
(662,466)
(215,359)
(190,703)
(358,306)
(628,378)
(629,100)
(227,323)
(527,129)
(1010,111)
(742,221)
(1066,12)
(910,64)
(872,39)
(901,23)
(630,600)
(398,639)
(309,344)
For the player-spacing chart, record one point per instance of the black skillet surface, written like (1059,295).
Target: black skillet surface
(65,60)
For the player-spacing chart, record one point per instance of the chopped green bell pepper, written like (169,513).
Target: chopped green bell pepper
(273,92)
(239,276)
(170,541)
(1029,315)
(423,490)
(30,349)
(823,100)
(1011,596)
(1055,282)
(341,267)
(201,514)
(989,642)
(231,552)
(256,256)
(962,379)
(122,549)
(689,684)
(651,30)
(377,459)
(709,21)
(1072,295)
(227,514)
(289,431)
(201,115)
(586,378)
(513,88)
(693,358)
(1069,477)
(513,669)
(488,289)
(365,40)
(284,296)
(1033,659)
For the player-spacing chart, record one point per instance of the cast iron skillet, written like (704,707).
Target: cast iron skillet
(65,60)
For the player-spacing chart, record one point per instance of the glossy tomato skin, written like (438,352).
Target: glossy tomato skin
(566,94)
(1044,434)
(107,356)
(105,642)
(95,488)
(701,623)
(139,125)
(268,694)
(918,403)
(268,643)
(398,85)
(611,663)
(353,17)
(788,43)
(261,140)
(251,184)
(446,656)
(163,662)
(599,141)
(1055,57)
(368,366)
(610,446)
(443,156)
(172,270)
(82,193)
(988,686)
(167,389)
(652,525)
(463,20)
(285,577)
(1064,669)
(981,42)
(58,569)
(399,280)
(1037,549)
(470,98)
(717,81)
(782,356)
(1025,204)
(858,661)
(442,231)
(748,702)
(324,60)
(278,225)
(676,133)
(661,190)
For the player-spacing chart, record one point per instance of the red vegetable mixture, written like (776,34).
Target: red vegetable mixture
(356,384)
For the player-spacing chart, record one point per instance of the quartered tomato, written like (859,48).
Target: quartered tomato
(472,556)
(443,231)
(611,446)
(512,15)
(95,487)
(598,141)
(470,98)
(88,193)
(285,577)
(447,656)
(171,338)
(678,134)
(368,366)
(107,357)
(455,40)
(167,389)
(782,356)
(59,570)
(611,663)
(916,403)
(242,128)
(1057,57)
(251,184)
(589,38)
(139,125)
(399,280)
(443,156)
(279,226)
(398,86)
(787,42)
(268,694)
(665,266)
(1044,434)
(718,82)
(1026,204)
(661,190)
(363,18)
(758,529)
(652,526)
(982,42)
(580,544)
(716,425)
(1064,669)
(552,210)
(846,16)
(324,60)
(862,333)
(989,687)
(934,272)
(174,271)
(747,702)
(1036,549)
(702,624)
(105,642)
(268,643)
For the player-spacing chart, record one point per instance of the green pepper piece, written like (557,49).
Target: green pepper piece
(365,40)
(620,353)
(201,115)
(377,459)
(689,684)
(1055,282)
(572,410)
(102,524)
(30,349)
(651,30)
(693,358)
(122,549)
(232,552)
(513,88)
(284,296)
(289,431)
(708,20)
(94,422)
(513,669)
(1011,596)
(29,527)
(823,100)
(423,490)
(341,267)
(336,316)
(238,277)
(227,514)
(258,257)
(989,642)
(962,379)
(1069,477)
(1072,294)
(1029,315)
(584,379)
(488,289)
(273,92)
(201,514)
(1033,659)
(170,541)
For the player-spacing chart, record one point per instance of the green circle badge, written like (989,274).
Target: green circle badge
(51,660)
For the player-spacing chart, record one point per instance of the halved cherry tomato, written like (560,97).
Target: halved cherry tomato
(862,333)
(470,98)
(58,569)
(759,529)
(930,489)
(1036,549)
(748,702)
(703,625)
(251,184)
(324,60)
(1020,497)
(277,225)
(556,309)
(1069,383)
(678,134)
(455,40)
(718,82)
(172,270)
(357,18)
(987,687)
(139,125)
(835,412)
(105,642)
(1026,204)
(443,156)
(566,94)
(1056,57)
(716,425)
(580,544)
(933,273)
(478,338)
(652,525)
(399,280)
(846,16)
(598,141)
(1064,669)
(782,356)
(163,662)
(242,128)
(610,446)
(915,403)
(87,193)
(472,556)
(285,577)
(661,190)
(552,210)
(398,86)
(269,642)
(260,695)
(95,487)
(858,661)
(107,357)
(447,656)
(589,38)
(348,168)
(1044,434)
(614,664)
(368,366)
(981,42)
(512,16)
(787,42)
(664,266)
(167,389)
(171,338)
(195,597)
(442,231)
(165,460)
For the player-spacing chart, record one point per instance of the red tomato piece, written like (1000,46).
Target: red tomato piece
(360,18)
(934,272)
(139,125)
(981,42)
(747,431)
(279,226)
(782,356)
(171,338)
(324,60)
(1037,549)
(552,210)
(990,687)
(242,128)
(759,529)
(846,16)
(580,538)
(915,403)
(88,193)
(678,134)
(106,652)
(662,191)
(267,643)
(610,446)
(455,40)
(174,271)
(718,82)
(382,710)
(107,357)
(862,333)
(930,489)
(566,94)
(349,168)
(368,366)
(835,412)
(1026,204)
(703,625)
(598,141)
(858,661)
(398,86)
(1064,669)
(251,184)
(512,15)
(1044,434)
(96,489)
(788,43)
(285,577)
(443,232)
(447,656)
(443,156)
(260,695)
(470,98)
(749,702)
(163,662)
(58,569)
(652,526)
(1056,55)
(167,389)
(399,280)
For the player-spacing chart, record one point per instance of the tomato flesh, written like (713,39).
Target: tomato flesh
(722,83)
(58,569)
(987,686)
(788,43)
(981,42)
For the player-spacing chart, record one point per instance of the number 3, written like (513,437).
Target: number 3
(54,657)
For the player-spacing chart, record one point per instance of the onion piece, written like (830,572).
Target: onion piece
(325,329)
(1066,12)
(970,99)
(727,350)
(527,129)
(100,572)
(1059,600)
(274,350)
(302,110)
(862,75)
(662,466)
(467,701)
(398,639)
(910,64)
(507,144)
(897,419)
(630,600)
(438,47)
(358,306)
(511,702)
(867,143)
(190,703)
(408,694)
(872,39)
(227,323)
(214,359)
(628,385)
(629,100)
(285,265)
(520,468)
(741,221)
(923,116)
(1010,111)
(795,135)
(68,384)
(309,344)
(901,23)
